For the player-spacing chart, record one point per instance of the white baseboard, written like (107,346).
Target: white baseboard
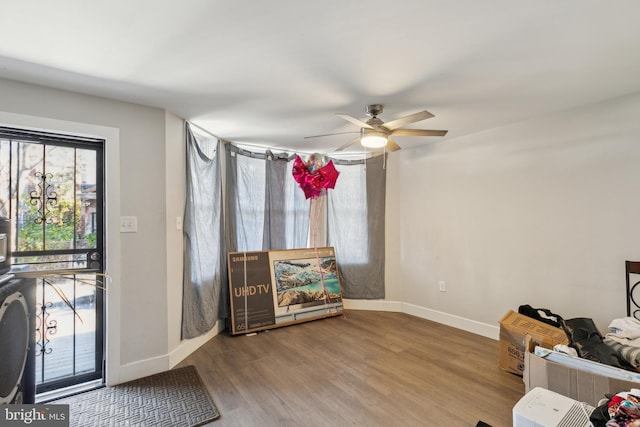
(371,304)
(187,347)
(452,320)
(143,368)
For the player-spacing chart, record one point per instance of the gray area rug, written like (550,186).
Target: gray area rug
(173,398)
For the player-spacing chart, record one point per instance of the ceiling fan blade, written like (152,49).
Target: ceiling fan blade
(348,144)
(392,145)
(355,121)
(418,132)
(330,134)
(411,118)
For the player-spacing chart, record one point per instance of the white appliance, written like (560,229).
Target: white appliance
(544,408)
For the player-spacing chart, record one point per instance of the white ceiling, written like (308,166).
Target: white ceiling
(272,72)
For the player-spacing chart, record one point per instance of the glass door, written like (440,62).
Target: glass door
(52,189)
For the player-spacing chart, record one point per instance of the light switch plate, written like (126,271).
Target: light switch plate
(128,224)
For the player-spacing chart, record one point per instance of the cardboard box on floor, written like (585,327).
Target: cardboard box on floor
(578,384)
(514,327)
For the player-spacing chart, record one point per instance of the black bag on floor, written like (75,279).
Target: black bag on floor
(587,341)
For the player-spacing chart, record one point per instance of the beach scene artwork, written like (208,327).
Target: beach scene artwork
(308,281)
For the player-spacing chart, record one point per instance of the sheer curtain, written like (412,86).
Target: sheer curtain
(264,208)
(286,209)
(203,275)
(356,210)
(244,199)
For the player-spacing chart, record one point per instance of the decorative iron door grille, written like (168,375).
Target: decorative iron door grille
(51,186)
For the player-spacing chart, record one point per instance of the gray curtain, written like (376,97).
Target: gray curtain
(244,199)
(286,209)
(264,208)
(356,210)
(204,266)
(274,235)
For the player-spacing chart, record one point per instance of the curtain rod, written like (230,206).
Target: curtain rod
(293,152)
(273,149)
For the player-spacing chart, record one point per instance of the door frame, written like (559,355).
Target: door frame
(33,142)
(112,244)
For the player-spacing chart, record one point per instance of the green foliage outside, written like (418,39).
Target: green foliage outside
(58,228)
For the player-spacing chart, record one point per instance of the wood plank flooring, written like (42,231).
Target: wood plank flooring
(364,368)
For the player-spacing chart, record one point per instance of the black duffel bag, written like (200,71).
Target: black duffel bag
(588,342)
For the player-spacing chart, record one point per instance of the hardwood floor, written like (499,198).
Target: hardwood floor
(364,368)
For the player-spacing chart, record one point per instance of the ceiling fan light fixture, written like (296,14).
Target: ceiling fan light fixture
(373,139)
(374,133)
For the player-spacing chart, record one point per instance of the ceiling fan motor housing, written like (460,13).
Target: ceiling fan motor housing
(375,122)
(373,110)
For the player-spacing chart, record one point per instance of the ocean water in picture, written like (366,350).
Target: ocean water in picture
(305,274)
(333,287)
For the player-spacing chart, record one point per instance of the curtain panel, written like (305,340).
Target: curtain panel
(244,199)
(264,208)
(356,211)
(204,253)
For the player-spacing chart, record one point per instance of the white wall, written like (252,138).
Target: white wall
(543,212)
(175,188)
(139,312)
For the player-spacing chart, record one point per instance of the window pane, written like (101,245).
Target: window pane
(5,177)
(250,203)
(54,195)
(28,177)
(86,199)
(65,341)
(58,198)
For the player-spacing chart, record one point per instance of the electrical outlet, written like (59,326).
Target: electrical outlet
(442,286)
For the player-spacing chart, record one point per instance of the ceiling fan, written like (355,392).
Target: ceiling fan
(374,133)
